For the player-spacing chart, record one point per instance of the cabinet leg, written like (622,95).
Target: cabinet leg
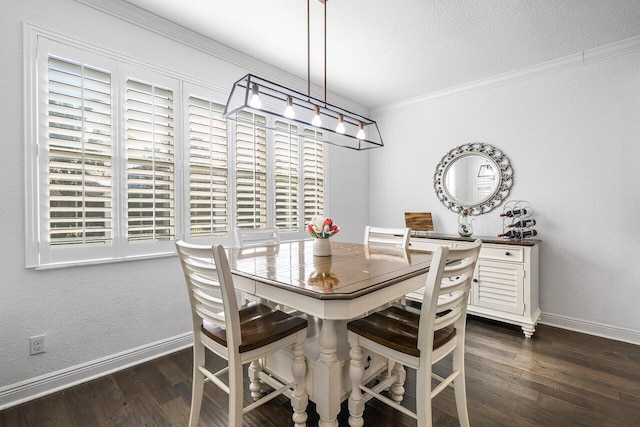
(528,330)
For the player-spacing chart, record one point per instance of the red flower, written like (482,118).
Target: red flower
(322,228)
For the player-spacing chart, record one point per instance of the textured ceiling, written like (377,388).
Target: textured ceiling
(382,51)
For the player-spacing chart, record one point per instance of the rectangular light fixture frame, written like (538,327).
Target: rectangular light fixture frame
(273,99)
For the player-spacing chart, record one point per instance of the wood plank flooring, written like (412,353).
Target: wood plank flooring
(558,378)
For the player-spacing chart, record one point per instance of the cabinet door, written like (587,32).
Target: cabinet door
(499,286)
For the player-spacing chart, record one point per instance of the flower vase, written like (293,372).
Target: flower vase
(465,226)
(322,247)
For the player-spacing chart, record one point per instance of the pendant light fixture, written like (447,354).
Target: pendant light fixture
(316,117)
(288,111)
(340,128)
(255,97)
(335,125)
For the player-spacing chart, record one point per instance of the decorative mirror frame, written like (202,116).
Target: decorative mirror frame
(488,203)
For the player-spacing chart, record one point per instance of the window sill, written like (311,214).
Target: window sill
(55,266)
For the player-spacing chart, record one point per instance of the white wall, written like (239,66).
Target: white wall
(93,312)
(573,137)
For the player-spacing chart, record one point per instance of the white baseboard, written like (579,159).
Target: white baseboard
(33,388)
(592,328)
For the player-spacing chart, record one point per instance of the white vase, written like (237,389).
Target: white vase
(322,247)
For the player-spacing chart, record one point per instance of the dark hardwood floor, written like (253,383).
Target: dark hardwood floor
(558,378)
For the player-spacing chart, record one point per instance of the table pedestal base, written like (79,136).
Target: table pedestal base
(327,380)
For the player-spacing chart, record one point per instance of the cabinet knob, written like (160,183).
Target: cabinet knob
(507,253)
(475,280)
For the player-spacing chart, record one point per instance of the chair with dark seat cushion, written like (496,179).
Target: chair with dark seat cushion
(418,339)
(238,335)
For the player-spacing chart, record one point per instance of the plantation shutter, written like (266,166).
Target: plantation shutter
(286,164)
(102,159)
(251,171)
(79,132)
(150,162)
(313,174)
(208,168)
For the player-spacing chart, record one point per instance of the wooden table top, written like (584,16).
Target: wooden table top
(351,271)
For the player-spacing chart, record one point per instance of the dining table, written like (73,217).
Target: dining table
(354,280)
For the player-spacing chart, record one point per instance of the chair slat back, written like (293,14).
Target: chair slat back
(398,237)
(252,237)
(447,291)
(210,286)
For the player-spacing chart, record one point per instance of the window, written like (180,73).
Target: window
(125,159)
(251,172)
(150,162)
(208,172)
(313,173)
(286,162)
(79,134)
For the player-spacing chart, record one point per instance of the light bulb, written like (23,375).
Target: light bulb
(360,134)
(288,112)
(316,117)
(340,127)
(255,97)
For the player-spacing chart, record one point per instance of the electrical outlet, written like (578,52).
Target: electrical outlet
(37,345)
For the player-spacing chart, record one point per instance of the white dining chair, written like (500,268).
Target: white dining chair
(416,296)
(418,339)
(387,237)
(251,237)
(398,237)
(256,238)
(240,336)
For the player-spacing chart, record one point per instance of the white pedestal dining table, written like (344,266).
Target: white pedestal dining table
(330,291)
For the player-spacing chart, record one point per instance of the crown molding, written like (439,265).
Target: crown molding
(601,53)
(146,20)
(163,27)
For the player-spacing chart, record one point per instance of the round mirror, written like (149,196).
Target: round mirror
(476,177)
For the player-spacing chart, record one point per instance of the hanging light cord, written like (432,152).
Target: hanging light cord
(308,50)
(325,50)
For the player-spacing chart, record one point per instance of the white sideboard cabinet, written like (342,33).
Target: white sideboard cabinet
(505,282)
